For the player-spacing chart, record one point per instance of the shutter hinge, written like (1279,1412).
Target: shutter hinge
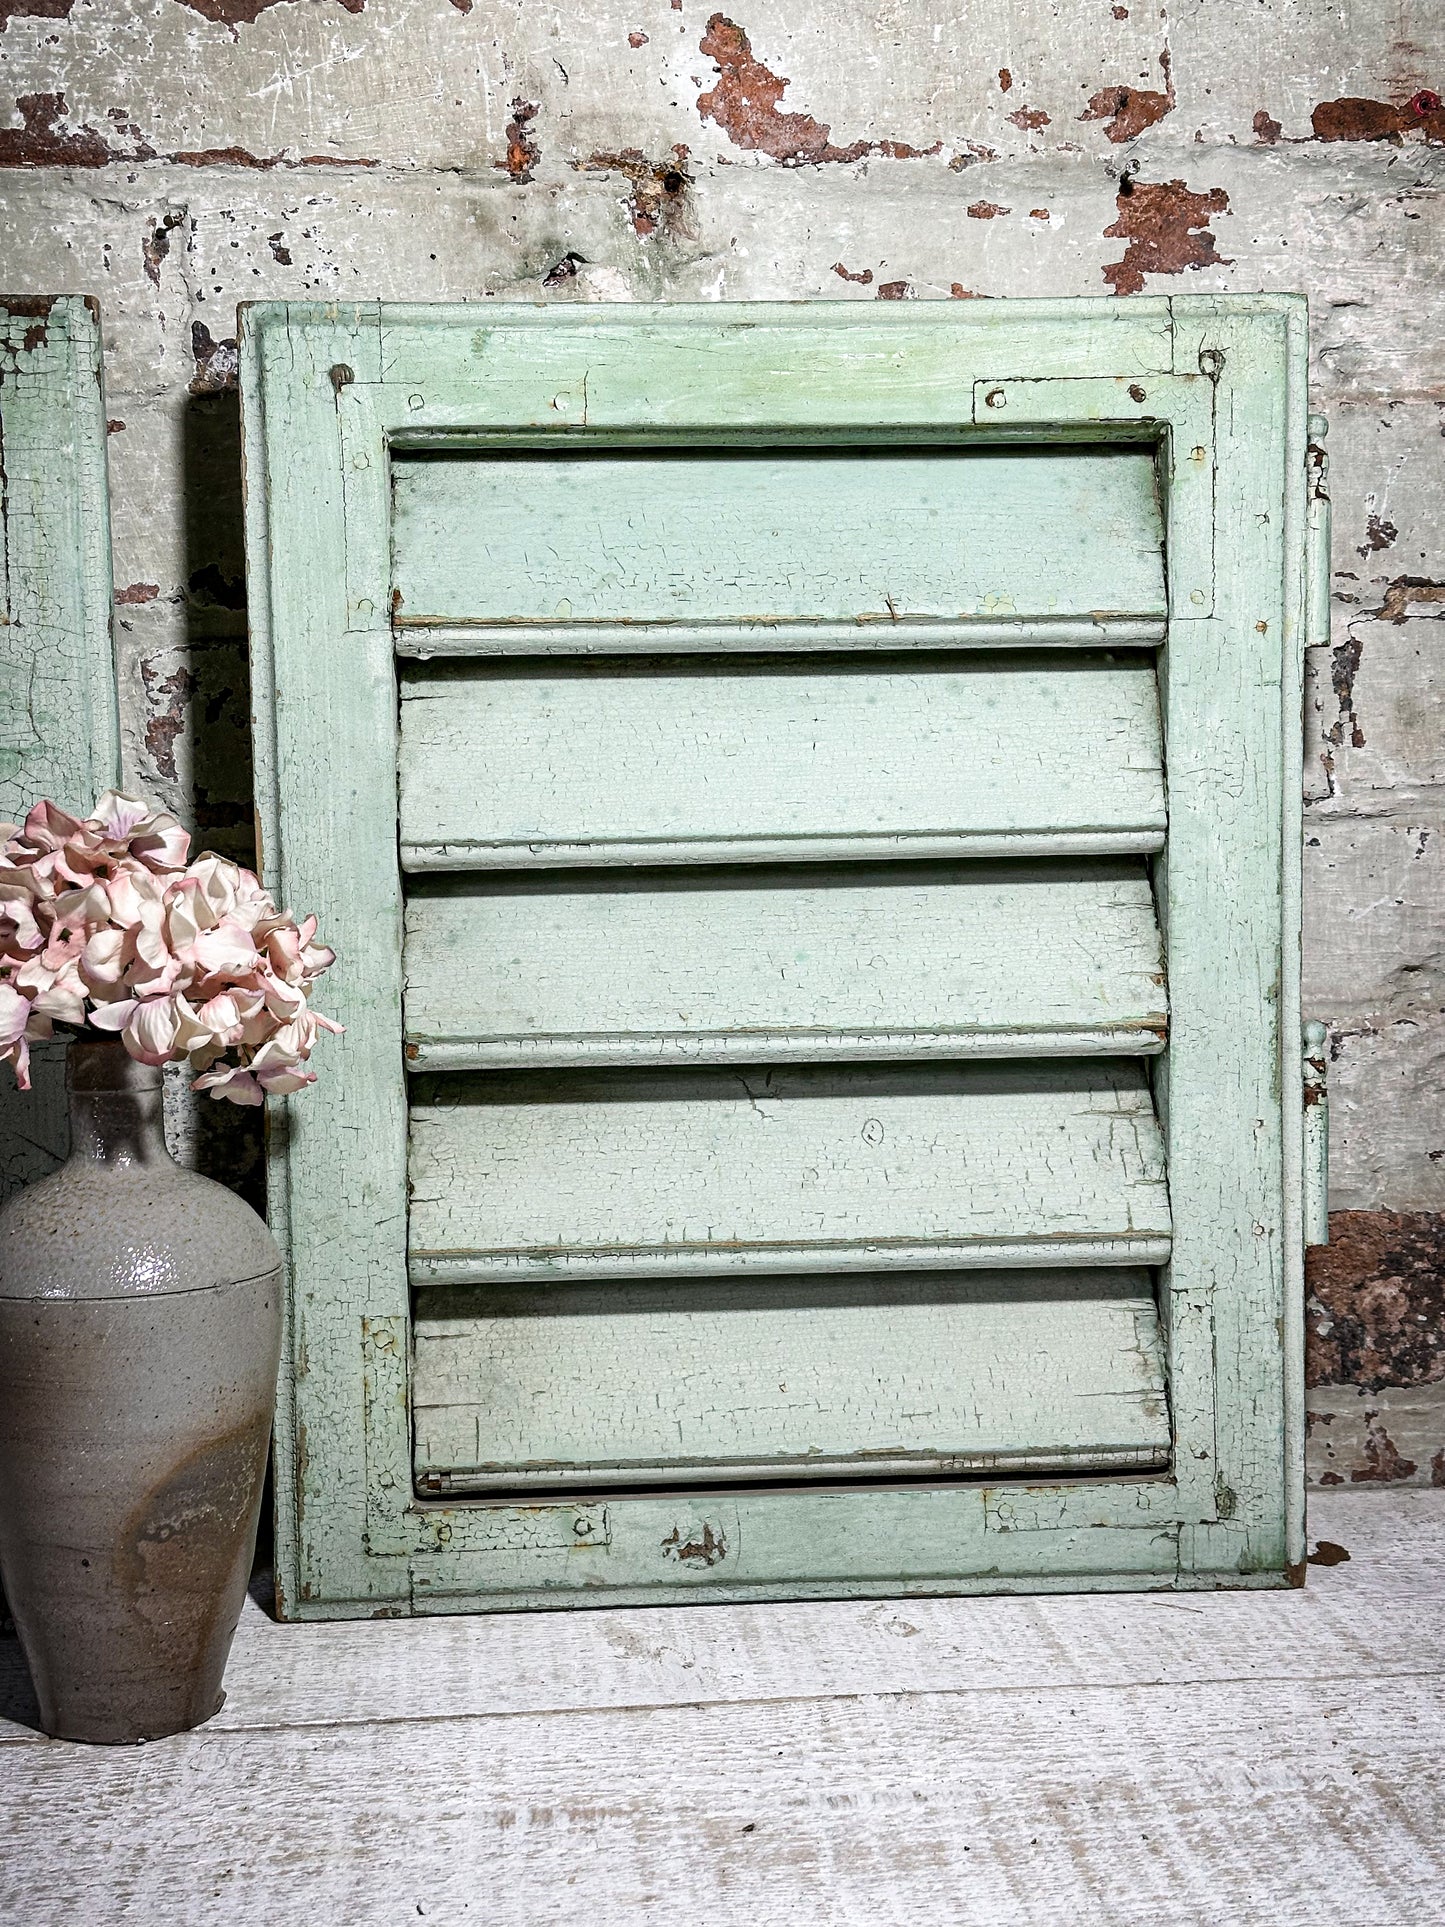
(1317,535)
(1316,1201)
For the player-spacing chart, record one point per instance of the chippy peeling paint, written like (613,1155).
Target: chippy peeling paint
(523,152)
(745,104)
(1129,110)
(174,157)
(1165,225)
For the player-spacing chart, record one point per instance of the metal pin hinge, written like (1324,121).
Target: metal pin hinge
(1317,535)
(1316,1137)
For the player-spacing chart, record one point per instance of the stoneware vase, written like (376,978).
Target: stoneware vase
(140,1331)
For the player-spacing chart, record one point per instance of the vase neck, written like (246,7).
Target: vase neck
(115,1106)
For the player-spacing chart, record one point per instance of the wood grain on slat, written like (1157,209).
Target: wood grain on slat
(933,1373)
(577,1174)
(783,965)
(520,765)
(648,534)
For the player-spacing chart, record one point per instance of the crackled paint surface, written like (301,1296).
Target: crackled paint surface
(175,156)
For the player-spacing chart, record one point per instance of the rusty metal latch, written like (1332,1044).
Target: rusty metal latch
(1317,535)
(1316,1200)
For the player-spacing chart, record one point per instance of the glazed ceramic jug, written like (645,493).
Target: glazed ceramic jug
(140,1331)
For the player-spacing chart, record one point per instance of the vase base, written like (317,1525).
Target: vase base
(139,1732)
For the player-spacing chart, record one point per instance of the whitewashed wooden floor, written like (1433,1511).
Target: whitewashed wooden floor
(1233,1759)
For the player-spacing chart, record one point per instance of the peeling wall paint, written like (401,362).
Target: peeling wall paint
(745,105)
(1166,227)
(174,157)
(1129,110)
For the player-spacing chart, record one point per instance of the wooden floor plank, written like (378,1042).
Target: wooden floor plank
(1107,1762)
(1217,1805)
(312,1674)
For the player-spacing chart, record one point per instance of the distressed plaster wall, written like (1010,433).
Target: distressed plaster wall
(176,156)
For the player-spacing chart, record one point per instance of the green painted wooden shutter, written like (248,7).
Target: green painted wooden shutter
(806,804)
(59,733)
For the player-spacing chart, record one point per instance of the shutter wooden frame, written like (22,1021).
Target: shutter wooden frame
(59,721)
(1218,383)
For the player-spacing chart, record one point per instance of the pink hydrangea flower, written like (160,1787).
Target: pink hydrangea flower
(105,924)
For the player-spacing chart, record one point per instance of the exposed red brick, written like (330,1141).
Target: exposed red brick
(969,154)
(1377,1300)
(166,701)
(894,291)
(1129,110)
(744,104)
(523,152)
(1165,224)
(1353,119)
(1005,80)
(986,211)
(44,140)
(637,40)
(33,9)
(243,157)
(41,141)
(1266,130)
(1404,592)
(1379,534)
(864,276)
(1028,118)
(223,157)
(137,592)
(241,13)
(1384,1465)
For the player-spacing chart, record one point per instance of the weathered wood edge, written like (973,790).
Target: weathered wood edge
(56,632)
(1298,595)
(420,859)
(341,1147)
(57,539)
(1257,348)
(681,1261)
(661,1048)
(422,638)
